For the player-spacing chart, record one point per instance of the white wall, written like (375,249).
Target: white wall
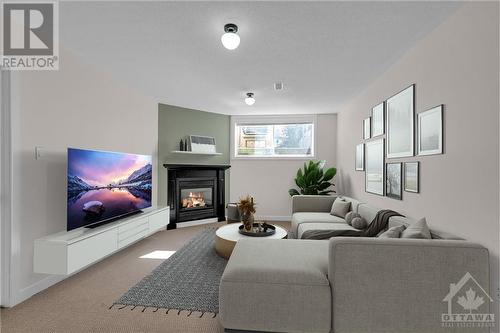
(6,186)
(457,65)
(77,106)
(4,136)
(269,180)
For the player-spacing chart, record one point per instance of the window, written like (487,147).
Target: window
(290,139)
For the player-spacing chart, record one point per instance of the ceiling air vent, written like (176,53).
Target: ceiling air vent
(278,86)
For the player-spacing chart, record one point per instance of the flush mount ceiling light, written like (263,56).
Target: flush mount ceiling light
(230,39)
(250,100)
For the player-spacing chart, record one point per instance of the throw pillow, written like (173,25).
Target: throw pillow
(349,216)
(340,208)
(393,232)
(418,230)
(359,223)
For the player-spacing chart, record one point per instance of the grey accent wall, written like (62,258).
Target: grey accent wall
(174,123)
(458,65)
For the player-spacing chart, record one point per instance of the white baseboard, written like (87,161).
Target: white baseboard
(21,295)
(273,218)
(197,222)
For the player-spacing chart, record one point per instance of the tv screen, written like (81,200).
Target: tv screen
(105,185)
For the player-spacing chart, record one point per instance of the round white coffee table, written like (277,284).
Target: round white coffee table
(227,236)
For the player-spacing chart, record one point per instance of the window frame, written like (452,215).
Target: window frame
(272,120)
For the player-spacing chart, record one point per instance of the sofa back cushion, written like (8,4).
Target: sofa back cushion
(444,235)
(312,203)
(368,212)
(354,203)
(396,221)
(340,208)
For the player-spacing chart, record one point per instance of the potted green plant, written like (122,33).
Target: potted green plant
(313,180)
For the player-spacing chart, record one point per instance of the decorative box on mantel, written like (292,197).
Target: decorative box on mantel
(197,145)
(195,192)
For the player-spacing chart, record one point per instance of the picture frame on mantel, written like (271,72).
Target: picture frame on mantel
(366,128)
(378,120)
(430,131)
(400,123)
(360,157)
(374,167)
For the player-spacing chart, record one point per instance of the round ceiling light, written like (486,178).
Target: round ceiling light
(250,100)
(230,39)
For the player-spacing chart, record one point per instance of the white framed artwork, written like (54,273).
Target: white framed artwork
(400,114)
(378,120)
(374,167)
(430,131)
(360,157)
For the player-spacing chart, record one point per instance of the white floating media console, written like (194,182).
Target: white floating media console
(65,253)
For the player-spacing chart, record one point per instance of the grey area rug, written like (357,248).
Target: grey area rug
(188,280)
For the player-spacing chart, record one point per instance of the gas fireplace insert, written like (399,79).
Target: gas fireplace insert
(195,192)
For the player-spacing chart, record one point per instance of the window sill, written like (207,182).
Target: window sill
(273,158)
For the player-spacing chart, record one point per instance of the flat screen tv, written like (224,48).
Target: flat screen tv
(103,186)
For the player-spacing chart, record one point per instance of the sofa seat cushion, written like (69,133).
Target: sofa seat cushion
(311,217)
(283,283)
(322,226)
(278,261)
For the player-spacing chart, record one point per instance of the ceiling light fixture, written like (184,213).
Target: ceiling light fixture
(230,39)
(250,100)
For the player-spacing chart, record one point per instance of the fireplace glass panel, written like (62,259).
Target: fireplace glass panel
(192,198)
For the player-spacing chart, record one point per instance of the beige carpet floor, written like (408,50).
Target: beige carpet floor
(80,303)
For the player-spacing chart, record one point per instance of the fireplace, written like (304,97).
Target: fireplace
(195,192)
(195,198)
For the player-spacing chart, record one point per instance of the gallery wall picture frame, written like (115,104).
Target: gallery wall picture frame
(412,177)
(430,131)
(367,128)
(400,123)
(378,120)
(394,180)
(360,157)
(374,166)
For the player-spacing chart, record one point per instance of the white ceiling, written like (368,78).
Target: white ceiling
(324,52)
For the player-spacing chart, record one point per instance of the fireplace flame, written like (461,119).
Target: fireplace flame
(194,199)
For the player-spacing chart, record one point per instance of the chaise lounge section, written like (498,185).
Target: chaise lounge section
(345,284)
(277,286)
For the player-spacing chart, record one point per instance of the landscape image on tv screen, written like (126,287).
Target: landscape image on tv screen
(104,185)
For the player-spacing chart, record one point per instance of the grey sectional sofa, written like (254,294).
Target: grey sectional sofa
(312,212)
(345,284)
